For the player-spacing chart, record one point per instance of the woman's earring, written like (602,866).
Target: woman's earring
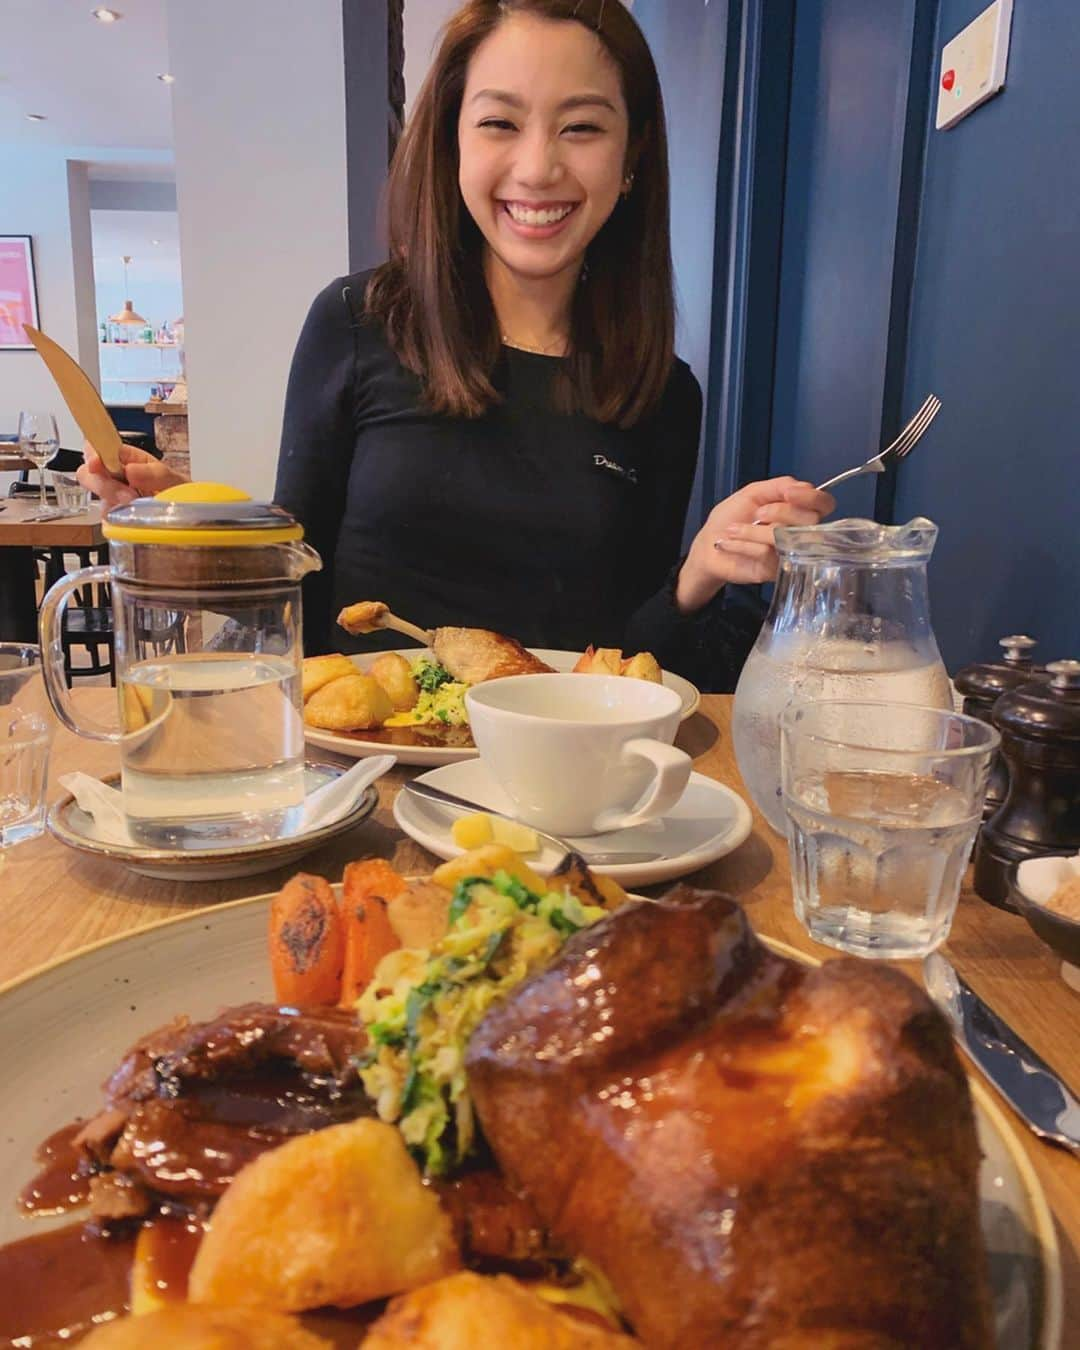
(627,184)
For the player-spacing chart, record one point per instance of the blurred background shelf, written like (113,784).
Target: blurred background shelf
(131,372)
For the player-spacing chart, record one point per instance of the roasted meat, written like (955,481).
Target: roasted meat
(495,1226)
(193,1102)
(319,1041)
(756,1153)
(473,655)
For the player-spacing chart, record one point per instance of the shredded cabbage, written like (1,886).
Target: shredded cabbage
(422,1006)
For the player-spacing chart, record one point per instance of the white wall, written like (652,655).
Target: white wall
(82,261)
(423,20)
(259,139)
(36,202)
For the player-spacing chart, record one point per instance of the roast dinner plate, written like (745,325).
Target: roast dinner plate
(409,751)
(710,821)
(64,1027)
(76,829)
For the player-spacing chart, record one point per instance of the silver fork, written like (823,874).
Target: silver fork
(901,447)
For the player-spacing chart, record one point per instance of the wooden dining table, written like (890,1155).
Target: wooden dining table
(54,901)
(20,534)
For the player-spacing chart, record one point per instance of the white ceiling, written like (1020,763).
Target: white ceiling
(96,83)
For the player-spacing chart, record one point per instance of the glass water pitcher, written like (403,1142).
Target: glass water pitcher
(205,591)
(849,619)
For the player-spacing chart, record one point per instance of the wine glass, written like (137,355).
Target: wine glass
(39,441)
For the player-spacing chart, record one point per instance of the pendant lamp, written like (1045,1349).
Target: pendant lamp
(127,314)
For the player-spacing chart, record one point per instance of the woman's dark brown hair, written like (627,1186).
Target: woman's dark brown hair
(431,296)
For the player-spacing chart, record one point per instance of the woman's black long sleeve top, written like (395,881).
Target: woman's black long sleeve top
(547,526)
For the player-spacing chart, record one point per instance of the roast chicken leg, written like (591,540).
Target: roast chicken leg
(758,1154)
(471,655)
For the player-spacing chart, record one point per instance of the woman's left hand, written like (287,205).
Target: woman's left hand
(735,545)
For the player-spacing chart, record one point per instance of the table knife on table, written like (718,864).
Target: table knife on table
(53,513)
(1022,1077)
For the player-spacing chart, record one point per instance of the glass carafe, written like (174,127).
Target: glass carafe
(205,592)
(849,619)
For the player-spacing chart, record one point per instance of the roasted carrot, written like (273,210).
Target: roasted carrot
(307,942)
(367,886)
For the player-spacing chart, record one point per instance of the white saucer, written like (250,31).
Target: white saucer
(78,831)
(709,822)
(356,745)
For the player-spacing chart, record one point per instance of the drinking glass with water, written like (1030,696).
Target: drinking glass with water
(24,764)
(882,802)
(70,493)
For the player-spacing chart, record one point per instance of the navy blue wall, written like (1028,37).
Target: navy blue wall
(849,92)
(995,331)
(915,261)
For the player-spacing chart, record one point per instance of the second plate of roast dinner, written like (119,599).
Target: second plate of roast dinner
(413,700)
(486,1108)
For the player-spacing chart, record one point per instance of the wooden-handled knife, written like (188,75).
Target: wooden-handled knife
(83,400)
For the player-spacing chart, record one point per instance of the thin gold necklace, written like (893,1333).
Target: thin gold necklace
(536,351)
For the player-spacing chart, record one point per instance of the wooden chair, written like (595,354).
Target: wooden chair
(87,621)
(89,626)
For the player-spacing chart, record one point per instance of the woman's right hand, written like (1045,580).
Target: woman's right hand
(146,476)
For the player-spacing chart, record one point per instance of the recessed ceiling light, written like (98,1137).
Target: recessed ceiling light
(35,117)
(155,241)
(106,15)
(167,79)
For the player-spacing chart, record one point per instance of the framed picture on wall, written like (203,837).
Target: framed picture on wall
(18,292)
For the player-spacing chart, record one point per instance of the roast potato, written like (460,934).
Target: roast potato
(485,861)
(352,702)
(180,1326)
(599,661)
(466,1311)
(319,670)
(337,1217)
(394,673)
(643,666)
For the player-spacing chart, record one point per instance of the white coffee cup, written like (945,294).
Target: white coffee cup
(581,754)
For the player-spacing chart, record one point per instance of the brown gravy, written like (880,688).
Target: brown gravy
(63,1182)
(167,1247)
(58,1286)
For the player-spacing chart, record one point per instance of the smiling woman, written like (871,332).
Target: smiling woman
(540,173)
(536,153)
(491,429)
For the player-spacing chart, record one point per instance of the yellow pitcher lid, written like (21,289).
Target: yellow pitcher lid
(201,515)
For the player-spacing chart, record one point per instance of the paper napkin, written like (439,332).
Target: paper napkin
(322,807)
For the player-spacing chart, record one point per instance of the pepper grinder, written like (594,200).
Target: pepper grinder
(982,684)
(1040,739)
